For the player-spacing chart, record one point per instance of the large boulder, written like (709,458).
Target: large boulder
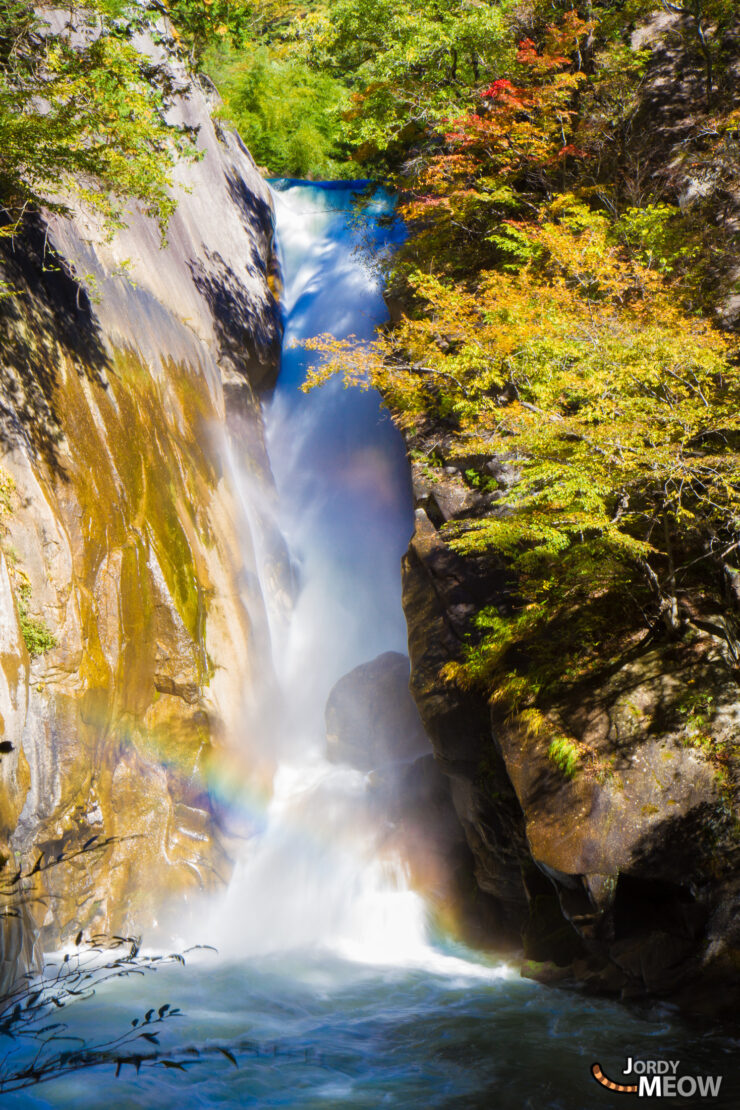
(371,718)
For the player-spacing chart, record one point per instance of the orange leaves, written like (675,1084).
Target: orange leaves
(498,158)
(520,126)
(572,149)
(561,41)
(529,55)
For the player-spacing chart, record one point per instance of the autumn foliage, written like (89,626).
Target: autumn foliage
(553,325)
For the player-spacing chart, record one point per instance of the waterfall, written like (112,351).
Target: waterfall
(326,990)
(312,874)
(339,463)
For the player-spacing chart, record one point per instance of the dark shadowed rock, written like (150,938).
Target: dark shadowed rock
(371,718)
(441,593)
(415,800)
(626,873)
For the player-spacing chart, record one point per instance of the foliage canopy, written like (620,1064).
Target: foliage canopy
(83,109)
(558,321)
(286,112)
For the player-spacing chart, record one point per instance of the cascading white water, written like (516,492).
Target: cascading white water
(339,464)
(311,876)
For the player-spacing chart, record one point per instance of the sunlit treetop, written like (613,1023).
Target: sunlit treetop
(84,109)
(407,62)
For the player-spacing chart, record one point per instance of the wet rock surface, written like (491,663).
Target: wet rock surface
(121,364)
(440,596)
(424,828)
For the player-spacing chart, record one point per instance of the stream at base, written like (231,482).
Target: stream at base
(317,1033)
(329,989)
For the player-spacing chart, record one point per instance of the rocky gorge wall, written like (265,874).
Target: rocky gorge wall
(615,859)
(125,556)
(622,877)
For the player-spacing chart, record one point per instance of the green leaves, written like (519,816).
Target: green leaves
(288,114)
(203,22)
(564,753)
(83,110)
(37,637)
(408,64)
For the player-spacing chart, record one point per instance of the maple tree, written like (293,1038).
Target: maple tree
(462,203)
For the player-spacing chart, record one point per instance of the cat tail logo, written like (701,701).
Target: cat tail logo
(597,1073)
(659,1079)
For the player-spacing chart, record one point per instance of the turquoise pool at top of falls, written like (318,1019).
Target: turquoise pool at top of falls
(328,992)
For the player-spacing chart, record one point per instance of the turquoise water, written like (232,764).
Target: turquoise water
(315,1033)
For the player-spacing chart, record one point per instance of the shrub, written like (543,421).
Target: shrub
(37,636)
(564,753)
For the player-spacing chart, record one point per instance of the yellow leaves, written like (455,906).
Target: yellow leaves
(539,358)
(584,371)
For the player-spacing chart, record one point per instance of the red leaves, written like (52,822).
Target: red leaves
(572,149)
(520,121)
(500,88)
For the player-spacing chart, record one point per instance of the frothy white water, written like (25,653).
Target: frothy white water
(313,877)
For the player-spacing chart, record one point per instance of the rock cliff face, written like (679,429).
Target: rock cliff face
(625,875)
(124,549)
